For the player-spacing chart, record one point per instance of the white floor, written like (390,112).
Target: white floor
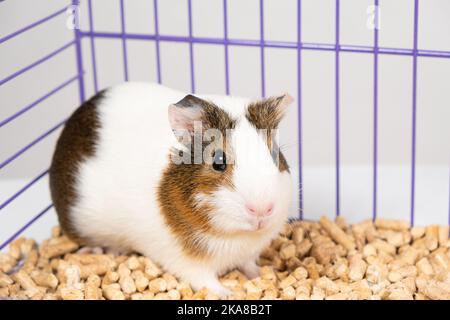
(319,194)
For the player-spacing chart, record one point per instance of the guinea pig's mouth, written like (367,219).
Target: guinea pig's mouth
(258,224)
(247,228)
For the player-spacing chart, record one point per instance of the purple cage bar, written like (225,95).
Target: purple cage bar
(299,109)
(225,45)
(375,111)
(414,108)
(336,101)
(261,36)
(93,61)
(124,43)
(299,46)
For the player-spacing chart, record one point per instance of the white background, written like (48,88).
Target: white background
(318,95)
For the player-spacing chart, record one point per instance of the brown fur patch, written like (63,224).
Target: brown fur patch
(75,144)
(182,182)
(282,163)
(213,116)
(265,115)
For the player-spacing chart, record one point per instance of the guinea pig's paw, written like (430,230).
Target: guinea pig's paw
(90,250)
(118,251)
(219,290)
(200,278)
(250,269)
(213,285)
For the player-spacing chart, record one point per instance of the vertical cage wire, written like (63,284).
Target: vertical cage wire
(414,108)
(191,47)
(262,56)
(336,101)
(299,110)
(124,41)
(375,111)
(79,56)
(158,61)
(93,59)
(225,45)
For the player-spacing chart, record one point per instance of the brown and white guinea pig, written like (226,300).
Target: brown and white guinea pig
(114,181)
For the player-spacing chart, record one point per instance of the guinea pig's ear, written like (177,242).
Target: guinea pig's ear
(267,113)
(184,114)
(283,102)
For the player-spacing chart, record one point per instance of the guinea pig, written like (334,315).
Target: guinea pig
(124,176)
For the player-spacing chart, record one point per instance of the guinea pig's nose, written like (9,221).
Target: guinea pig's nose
(261,210)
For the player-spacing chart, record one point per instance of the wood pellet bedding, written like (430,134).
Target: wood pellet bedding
(328,260)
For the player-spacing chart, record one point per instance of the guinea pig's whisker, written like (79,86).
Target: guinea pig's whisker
(286,146)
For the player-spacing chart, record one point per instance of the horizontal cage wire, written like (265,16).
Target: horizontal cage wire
(299,46)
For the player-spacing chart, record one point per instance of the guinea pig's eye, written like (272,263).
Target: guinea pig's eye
(220,161)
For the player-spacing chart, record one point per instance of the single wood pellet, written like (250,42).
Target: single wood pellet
(325,260)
